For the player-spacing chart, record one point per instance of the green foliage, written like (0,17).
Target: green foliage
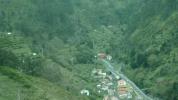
(15,84)
(141,33)
(84,55)
(32,65)
(12,74)
(153,45)
(7,58)
(101,39)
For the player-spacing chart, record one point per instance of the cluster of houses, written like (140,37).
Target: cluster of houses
(105,80)
(105,85)
(123,90)
(114,88)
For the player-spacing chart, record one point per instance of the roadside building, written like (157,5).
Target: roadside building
(102,55)
(117,77)
(98,86)
(123,94)
(121,83)
(122,89)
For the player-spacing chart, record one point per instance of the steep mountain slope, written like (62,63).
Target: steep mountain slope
(57,40)
(152,50)
(16,85)
(57,69)
(154,56)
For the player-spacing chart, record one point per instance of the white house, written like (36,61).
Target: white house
(110,84)
(108,57)
(85,92)
(34,54)
(9,33)
(98,86)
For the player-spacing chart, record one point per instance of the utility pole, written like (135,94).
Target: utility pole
(42,51)
(18,95)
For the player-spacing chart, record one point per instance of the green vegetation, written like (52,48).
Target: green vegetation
(52,46)
(16,85)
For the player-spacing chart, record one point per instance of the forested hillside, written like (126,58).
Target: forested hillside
(49,46)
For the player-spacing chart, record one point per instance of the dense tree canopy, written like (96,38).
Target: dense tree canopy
(64,33)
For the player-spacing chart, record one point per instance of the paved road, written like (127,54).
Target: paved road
(136,89)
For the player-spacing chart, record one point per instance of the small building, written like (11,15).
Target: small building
(122,83)
(117,77)
(85,92)
(102,55)
(34,54)
(9,33)
(109,57)
(109,84)
(122,89)
(123,92)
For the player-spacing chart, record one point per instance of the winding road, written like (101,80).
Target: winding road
(139,92)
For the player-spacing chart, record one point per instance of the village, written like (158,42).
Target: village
(113,87)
